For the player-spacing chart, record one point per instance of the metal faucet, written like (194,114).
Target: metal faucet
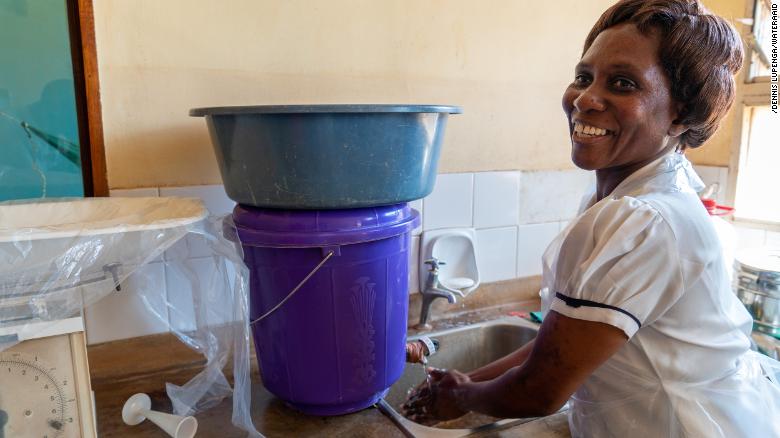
(434,289)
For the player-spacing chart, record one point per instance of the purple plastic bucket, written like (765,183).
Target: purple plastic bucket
(338,344)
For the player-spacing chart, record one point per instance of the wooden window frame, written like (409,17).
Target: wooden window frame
(81,24)
(750,92)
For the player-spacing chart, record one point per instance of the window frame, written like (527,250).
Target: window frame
(754,43)
(750,92)
(81,25)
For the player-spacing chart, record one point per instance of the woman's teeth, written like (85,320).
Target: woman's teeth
(589,131)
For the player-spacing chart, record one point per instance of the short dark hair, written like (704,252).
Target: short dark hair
(700,53)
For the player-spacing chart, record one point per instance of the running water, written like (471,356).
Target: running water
(426,374)
(426,379)
(419,394)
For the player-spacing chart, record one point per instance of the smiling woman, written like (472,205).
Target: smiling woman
(621,105)
(642,333)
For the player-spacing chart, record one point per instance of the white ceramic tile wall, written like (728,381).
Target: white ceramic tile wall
(532,240)
(497,254)
(123,314)
(209,272)
(193,245)
(418,205)
(549,196)
(714,174)
(414,260)
(450,204)
(182,312)
(496,201)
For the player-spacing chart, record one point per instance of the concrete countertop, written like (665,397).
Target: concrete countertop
(274,419)
(122,368)
(269,414)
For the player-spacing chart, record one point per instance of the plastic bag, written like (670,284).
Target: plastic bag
(57,257)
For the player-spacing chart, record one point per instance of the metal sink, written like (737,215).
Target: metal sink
(462,348)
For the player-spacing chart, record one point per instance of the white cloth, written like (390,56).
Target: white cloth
(647,260)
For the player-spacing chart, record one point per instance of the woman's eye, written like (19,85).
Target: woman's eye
(624,84)
(581,79)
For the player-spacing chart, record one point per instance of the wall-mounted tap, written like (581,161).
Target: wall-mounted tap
(434,289)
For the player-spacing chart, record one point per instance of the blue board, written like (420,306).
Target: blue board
(39,142)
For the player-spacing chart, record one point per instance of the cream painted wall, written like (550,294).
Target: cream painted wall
(506,62)
(717,150)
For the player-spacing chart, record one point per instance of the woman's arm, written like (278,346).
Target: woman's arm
(500,366)
(564,354)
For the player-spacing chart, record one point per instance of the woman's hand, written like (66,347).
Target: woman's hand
(565,352)
(438,400)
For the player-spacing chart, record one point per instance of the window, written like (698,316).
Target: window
(759,179)
(760,40)
(756,156)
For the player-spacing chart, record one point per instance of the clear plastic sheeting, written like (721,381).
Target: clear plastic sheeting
(57,257)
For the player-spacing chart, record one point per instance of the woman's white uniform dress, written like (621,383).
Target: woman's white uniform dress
(646,259)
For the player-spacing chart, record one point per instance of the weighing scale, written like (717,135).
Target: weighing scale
(56,257)
(45,384)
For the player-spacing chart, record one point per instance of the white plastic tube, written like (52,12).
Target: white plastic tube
(138,408)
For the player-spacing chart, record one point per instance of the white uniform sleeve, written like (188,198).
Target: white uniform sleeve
(618,265)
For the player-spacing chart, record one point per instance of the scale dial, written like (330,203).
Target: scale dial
(38,399)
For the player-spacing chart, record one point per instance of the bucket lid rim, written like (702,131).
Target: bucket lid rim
(339,227)
(277,239)
(327,108)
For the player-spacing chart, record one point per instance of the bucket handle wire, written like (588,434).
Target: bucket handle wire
(295,289)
